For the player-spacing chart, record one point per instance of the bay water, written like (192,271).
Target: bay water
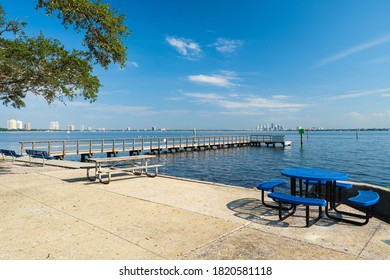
(365,158)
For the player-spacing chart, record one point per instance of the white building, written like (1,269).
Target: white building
(54,126)
(71,127)
(19,125)
(14,124)
(11,124)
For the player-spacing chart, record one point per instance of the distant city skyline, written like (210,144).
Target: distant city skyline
(231,65)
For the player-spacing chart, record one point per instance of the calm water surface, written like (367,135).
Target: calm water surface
(366,159)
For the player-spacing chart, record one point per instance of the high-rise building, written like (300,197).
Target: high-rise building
(54,126)
(27,126)
(19,124)
(11,124)
(71,127)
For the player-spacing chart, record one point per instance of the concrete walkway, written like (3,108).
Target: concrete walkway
(62,215)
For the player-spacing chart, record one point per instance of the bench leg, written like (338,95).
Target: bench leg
(280,208)
(310,223)
(366,217)
(89,177)
(108,178)
(152,175)
(272,206)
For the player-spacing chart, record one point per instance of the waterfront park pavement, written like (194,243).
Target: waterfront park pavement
(56,213)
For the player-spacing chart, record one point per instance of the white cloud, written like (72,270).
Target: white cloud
(226,46)
(222,80)
(356,94)
(281,96)
(353,50)
(186,47)
(215,80)
(357,116)
(112,109)
(204,97)
(242,102)
(133,64)
(384,114)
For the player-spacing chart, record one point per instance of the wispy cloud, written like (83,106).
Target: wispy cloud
(353,50)
(226,46)
(280,97)
(357,116)
(224,79)
(113,109)
(186,47)
(133,64)
(242,102)
(383,114)
(380,60)
(356,94)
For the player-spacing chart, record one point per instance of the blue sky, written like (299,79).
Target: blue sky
(232,65)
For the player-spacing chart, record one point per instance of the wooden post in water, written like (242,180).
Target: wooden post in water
(357,137)
(194,135)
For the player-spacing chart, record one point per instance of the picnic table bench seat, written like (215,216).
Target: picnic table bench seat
(339,184)
(365,201)
(269,186)
(281,198)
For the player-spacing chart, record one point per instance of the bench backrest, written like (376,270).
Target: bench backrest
(35,153)
(10,153)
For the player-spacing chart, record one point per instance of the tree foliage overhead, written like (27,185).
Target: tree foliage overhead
(44,66)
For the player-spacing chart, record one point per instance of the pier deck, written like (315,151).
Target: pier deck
(89,147)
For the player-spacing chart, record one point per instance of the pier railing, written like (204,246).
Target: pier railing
(62,148)
(277,138)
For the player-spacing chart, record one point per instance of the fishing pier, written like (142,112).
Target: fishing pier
(86,148)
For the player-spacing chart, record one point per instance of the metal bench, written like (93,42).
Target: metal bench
(138,170)
(38,154)
(365,201)
(9,153)
(281,198)
(125,164)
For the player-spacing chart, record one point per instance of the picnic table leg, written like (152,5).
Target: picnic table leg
(108,178)
(89,177)
(152,174)
(328,198)
(96,171)
(139,172)
(293,184)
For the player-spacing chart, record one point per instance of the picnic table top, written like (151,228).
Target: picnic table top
(118,159)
